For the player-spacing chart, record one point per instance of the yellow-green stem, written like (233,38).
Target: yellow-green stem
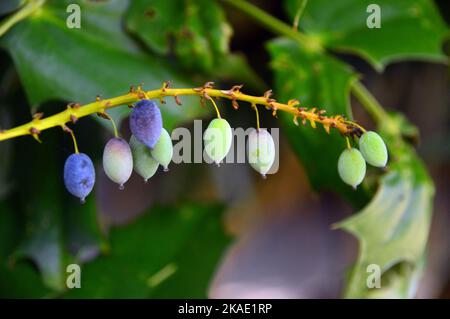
(73,112)
(255,107)
(75,145)
(29,8)
(216,108)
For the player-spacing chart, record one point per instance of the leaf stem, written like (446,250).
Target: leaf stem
(29,8)
(75,111)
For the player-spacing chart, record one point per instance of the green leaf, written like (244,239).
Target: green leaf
(17,280)
(57,229)
(321,81)
(393,228)
(82,233)
(234,68)
(195,30)
(56,62)
(164,250)
(40,196)
(409,29)
(21,281)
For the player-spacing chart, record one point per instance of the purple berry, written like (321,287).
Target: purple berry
(146,122)
(79,175)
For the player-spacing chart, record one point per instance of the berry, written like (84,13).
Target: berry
(352,167)
(163,150)
(118,160)
(79,175)
(373,149)
(261,150)
(217,138)
(146,122)
(143,162)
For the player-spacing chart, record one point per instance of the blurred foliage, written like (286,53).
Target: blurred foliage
(97,59)
(173,251)
(393,228)
(195,30)
(321,81)
(169,252)
(409,29)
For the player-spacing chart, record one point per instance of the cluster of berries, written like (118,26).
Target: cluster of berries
(150,146)
(352,162)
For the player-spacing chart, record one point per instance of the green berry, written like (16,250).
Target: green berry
(143,162)
(261,150)
(352,167)
(373,149)
(218,138)
(118,160)
(163,150)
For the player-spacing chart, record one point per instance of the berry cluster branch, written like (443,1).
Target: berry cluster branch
(75,111)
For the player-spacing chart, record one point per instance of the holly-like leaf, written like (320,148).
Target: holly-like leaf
(408,29)
(57,229)
(195,30)
(316,80)
(40,194)
(393,228)
(57,62)
(164,250)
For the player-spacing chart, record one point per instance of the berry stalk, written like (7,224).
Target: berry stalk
(75,111)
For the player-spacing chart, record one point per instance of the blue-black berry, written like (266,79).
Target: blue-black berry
(146,122)
(79,175)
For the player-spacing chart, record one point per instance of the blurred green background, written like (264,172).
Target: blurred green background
(203,231)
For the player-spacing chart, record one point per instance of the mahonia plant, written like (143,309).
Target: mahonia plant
(150,144)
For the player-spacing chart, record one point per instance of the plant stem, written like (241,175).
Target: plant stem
(75,111)
(279,27)
(275,25)
(299,13)
(30,7)
(368,101)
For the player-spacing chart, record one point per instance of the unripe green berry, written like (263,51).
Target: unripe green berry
(352,167)
(373,149)
(143,162)
(218,138)
(118,160)
(261,150)
(163,150)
